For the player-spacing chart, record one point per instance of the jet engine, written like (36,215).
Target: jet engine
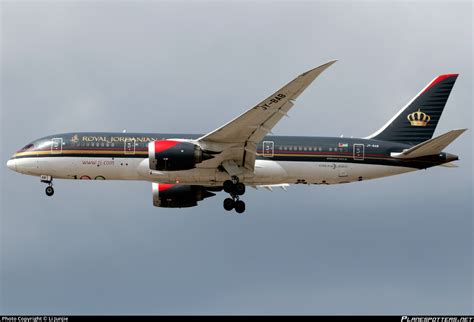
(170,155)
(178,196)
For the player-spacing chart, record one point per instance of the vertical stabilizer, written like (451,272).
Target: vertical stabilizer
(417,121)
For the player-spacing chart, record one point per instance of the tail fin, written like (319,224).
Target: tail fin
(416,121)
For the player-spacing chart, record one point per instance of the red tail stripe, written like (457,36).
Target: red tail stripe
(163,145)
(439,79)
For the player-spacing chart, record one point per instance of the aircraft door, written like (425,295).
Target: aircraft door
(268,147)
(129,146)
(358,152)
(56,145)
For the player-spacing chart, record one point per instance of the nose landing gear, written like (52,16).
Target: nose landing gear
(49,189)
(235,189)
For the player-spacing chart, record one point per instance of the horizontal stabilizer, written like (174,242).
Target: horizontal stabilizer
(430,147)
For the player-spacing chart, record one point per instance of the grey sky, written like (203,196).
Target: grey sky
(395,245)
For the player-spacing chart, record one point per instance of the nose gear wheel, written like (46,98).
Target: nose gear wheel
(49,181)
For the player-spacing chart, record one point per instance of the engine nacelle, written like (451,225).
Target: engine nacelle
(170,155)
(178,196)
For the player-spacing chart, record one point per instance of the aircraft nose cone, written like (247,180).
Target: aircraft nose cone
(11,164)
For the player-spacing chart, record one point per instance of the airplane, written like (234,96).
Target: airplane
(187,168)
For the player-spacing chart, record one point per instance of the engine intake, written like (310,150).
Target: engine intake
(178,196)
(170,155)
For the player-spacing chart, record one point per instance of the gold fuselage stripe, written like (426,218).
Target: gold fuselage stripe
(144,153)
(34,153)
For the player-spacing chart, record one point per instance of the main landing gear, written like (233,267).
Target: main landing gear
(235,189)
(49,189)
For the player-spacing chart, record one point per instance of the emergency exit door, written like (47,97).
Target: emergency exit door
(358,152)
(268,148)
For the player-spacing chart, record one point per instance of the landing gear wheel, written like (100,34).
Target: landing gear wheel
(239,188)
(229,204)
(239,206)
(49,191)
(235,189)
(228,186)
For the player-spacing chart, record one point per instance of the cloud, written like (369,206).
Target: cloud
(395,245)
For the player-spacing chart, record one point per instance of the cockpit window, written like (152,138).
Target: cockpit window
(27,147)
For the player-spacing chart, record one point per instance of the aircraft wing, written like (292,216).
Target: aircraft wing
(237,140)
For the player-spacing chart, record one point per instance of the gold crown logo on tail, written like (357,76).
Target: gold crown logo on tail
(418,118)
